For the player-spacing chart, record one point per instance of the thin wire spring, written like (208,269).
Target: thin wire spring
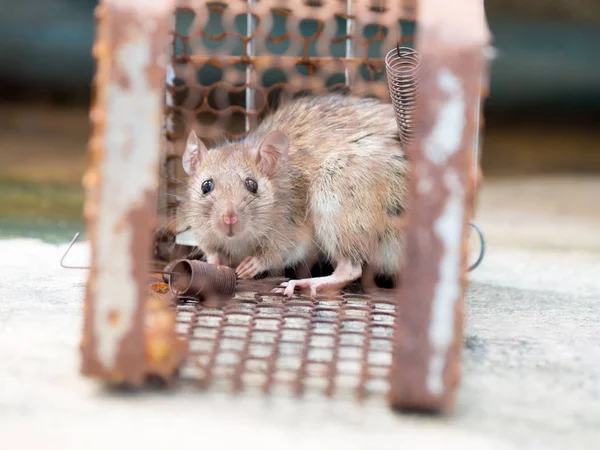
(402,69)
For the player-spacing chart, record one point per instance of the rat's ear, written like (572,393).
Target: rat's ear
(195,152)
(273,148)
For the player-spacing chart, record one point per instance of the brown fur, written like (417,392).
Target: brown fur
(340,191)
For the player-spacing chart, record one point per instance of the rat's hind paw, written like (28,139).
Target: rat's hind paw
(281,289)
(344,274)
(315,285)
(249,268)
(286,288)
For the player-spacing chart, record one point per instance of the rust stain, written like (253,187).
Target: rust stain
(160,288)
(118,24)
(164,353)
(426,369)
(113,317)
(90,364)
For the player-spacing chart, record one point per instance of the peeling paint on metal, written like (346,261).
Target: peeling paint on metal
(426,367)
(129,171)
(445,138)
(147,7)
(425,184)
(170,82)
(467,27)
(448,228)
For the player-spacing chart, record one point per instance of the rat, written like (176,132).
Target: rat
(322,175)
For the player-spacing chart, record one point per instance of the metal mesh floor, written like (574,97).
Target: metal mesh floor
(328,346)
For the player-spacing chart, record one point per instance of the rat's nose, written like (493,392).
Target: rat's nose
(229,218)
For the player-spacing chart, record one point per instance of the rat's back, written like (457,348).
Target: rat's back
(349,149)
(327,122)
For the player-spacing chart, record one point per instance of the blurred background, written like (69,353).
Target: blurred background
(541,118)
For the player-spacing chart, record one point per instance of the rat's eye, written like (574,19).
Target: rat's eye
(207,186)
(251,185)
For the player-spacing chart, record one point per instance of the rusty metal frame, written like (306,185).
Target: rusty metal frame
(452,39)
(121,184)
(130,334)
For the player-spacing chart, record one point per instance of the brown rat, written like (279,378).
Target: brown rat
(322,175)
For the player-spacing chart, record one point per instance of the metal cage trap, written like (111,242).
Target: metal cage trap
(165,68)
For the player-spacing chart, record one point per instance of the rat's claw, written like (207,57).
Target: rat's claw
(311,283)
(281,289)
(248,268)
(278,291)
(331,283)
(289,289)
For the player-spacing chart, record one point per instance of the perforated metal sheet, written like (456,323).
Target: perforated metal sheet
(232,60)
(228,72)
(329,346)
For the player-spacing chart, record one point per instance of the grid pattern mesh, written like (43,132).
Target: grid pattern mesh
(329,346)
(232,63)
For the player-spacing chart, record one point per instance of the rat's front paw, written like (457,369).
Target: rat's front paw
(249,268)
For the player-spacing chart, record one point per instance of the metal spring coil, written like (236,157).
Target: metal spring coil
(402,66)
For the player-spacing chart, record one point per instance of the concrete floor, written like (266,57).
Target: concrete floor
(531,363)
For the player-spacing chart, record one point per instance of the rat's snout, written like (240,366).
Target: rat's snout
(229,218)
(230,223)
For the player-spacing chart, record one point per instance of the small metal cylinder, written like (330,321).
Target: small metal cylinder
(195,278)
(402,67)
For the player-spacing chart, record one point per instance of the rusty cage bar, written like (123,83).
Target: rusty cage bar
(166,67)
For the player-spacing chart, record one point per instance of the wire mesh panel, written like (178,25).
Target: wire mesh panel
(330,346)
(234,62)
